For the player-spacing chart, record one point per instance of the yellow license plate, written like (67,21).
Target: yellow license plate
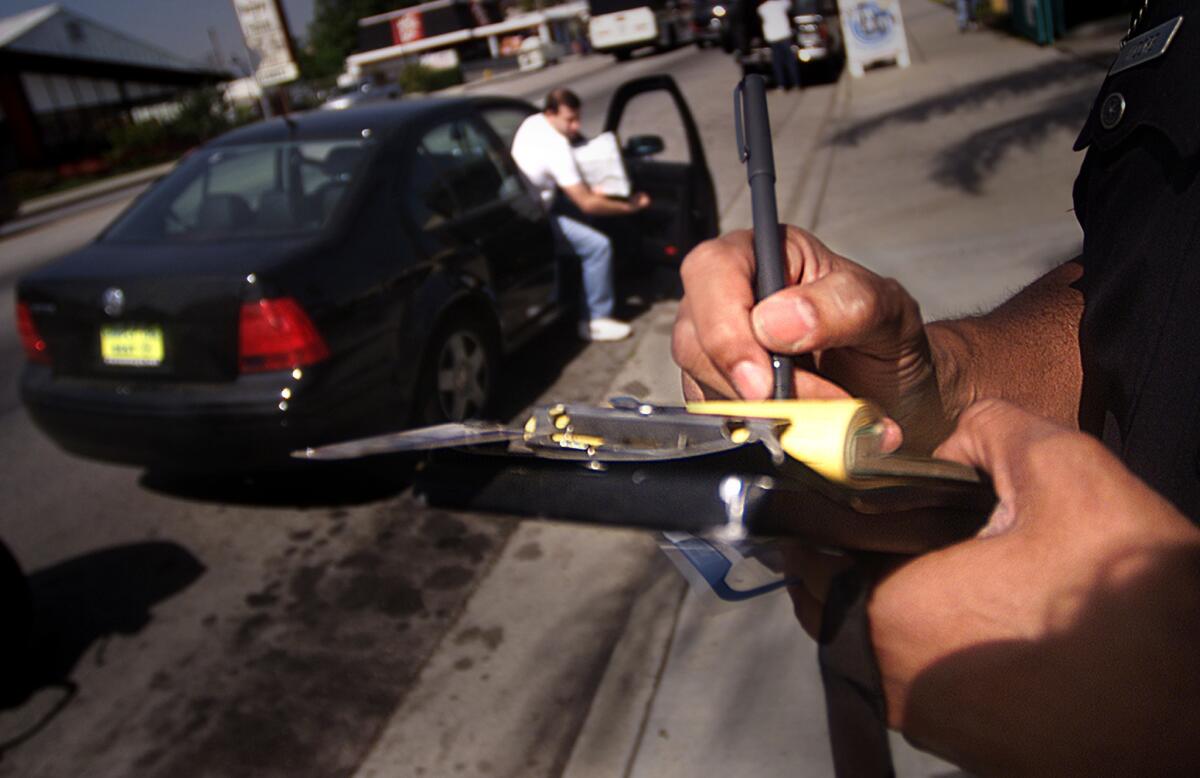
(131,346)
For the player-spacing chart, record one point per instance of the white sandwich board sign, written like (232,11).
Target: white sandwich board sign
(873,31)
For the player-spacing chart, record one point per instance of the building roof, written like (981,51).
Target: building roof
(13,27)
(57,32)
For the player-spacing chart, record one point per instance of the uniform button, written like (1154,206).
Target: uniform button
(1112,110)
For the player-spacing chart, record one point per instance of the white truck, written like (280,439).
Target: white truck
(619,27)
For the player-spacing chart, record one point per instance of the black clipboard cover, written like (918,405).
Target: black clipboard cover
(733,493)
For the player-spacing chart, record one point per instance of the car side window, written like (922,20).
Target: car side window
(427,194)
(455,170)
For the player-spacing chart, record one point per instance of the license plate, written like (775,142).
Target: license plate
(131,346)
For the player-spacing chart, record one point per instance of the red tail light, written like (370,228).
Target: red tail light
(35,346)
(277,335)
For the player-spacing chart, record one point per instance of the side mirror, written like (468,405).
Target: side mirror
(643,146)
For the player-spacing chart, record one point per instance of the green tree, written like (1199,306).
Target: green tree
(333,33)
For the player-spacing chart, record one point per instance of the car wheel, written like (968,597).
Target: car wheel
(460,375)
(623,55)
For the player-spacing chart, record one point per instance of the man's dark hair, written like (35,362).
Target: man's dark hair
(560,97)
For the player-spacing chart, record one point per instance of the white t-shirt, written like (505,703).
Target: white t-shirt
(544,156)
(776,24)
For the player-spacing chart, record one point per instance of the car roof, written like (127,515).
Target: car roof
(379,117)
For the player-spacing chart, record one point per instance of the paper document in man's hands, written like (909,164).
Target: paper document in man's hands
(602,167)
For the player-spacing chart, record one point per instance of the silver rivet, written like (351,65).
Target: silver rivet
(1112,110)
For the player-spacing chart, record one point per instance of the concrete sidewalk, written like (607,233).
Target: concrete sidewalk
(582,653)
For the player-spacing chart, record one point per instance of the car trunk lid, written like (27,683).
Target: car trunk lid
(137,313)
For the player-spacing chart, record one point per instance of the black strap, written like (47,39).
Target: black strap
(854,701)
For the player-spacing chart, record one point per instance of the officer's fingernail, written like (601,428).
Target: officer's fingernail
(893,436)
(784,323)
(752,380)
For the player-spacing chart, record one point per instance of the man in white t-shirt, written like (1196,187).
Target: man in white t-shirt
(542,149)
(776,18)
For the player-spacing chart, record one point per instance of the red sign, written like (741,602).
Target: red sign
(408,27)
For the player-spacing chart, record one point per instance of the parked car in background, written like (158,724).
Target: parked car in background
(818,38)
(362,93)
(621,27)
(312,278)
(536,53)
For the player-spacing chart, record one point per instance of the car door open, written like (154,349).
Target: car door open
(668,164)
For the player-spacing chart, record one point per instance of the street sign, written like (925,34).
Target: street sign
(874,32)
(267,39)
(408,28)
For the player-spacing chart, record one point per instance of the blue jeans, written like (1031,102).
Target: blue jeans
(966,13)
(595,250)
(785,64)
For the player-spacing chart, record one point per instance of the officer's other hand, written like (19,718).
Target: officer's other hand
(640,200)
(1061,639)
(864,332)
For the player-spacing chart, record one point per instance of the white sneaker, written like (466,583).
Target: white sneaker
(604,328)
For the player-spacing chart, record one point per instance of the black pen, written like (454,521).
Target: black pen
(752,127)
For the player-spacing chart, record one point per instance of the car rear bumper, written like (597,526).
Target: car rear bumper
(253,423)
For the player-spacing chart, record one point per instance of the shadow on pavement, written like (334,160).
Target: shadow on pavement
(966,163)
(84,601)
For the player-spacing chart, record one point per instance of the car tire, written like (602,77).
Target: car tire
(461,372)
(623,55)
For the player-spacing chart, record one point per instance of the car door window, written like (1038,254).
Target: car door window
(456,170)
(654,113)
(427,196)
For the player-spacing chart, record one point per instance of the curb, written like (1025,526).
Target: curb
(40,205)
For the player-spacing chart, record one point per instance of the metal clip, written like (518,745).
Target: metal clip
(738,129)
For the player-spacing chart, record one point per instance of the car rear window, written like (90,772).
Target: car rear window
(249,191)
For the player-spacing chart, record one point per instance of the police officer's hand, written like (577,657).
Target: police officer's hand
(640,200)
(1062,639)
(864,332)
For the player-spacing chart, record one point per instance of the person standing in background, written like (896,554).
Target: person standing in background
(777,31)
(966,15)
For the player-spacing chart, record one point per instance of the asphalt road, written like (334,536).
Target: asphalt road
(261,626)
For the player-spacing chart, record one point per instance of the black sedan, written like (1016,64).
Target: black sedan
(311,278)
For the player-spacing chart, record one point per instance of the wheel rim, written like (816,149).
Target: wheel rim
(462,376)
